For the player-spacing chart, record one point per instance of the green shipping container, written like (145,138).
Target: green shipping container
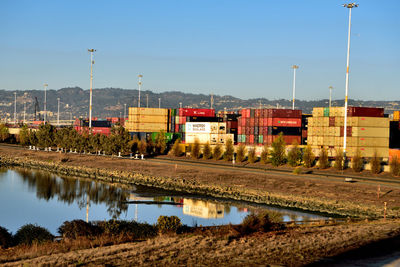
(243,138)
(168,136)
(326,112)
(260,139)
(173,112)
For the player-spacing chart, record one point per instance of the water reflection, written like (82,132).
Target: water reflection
(68,190)
(202,209)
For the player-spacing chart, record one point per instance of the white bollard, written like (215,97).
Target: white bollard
(136,156)
(49,148)
(104,153)
(45,149)
(119,154)
(34,147)
(75,151)
(142,157)
(30,147)
(130,155)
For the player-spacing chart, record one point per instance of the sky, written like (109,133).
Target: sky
(243,48)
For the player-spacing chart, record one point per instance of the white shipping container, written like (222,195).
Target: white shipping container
(202,138)
(198,127)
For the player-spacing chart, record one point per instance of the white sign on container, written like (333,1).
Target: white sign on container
(197,127)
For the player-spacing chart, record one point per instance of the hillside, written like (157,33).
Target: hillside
(107,102)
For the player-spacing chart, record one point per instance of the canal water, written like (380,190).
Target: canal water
(48,200)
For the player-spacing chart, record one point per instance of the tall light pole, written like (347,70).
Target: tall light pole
(159,102)
(294,67)
(15,107)
(180,104)
(350,7)
(91,86)
(24,112)
(330,97)
(58,111)
(140,86)
(147,100)
(211,101)
(45,103)
(124,111)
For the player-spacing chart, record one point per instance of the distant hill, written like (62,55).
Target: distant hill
(109,102)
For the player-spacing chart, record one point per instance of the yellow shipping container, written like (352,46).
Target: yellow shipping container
(146,127)
(148,111)
(396,115)
(147,118)
(368,152)
(202,138)
(336,112)
(370,132)
(371,141)
(311,122)
(363,121)
(318,112)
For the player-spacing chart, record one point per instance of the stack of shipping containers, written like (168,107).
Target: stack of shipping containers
(207,132)
(394,141)
(367,130)
(262,126)
(144,121)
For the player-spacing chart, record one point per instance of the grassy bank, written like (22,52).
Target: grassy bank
(252,188)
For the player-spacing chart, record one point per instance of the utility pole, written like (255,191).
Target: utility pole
(45,103)
(159,102)
(140,86)
(330,97)
(15,108)
(58,111)
(180,104)
(350,7)
(91,87)
(294,67)
(147,100)
(211,101)
(260,103)
(124,111)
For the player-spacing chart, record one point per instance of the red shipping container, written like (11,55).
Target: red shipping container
(365,112)
(260,130)
(251,139)
(283,113)
(245,113)
(258,113)
(251,130)
(304,133)
(285,122)
(101,130)
(239,130)
(260,122)
(251,122)
(199,112)
(256,122)
(331,121)
(265,121)
(232,124)
(349,131)
(176,128)
(247,130)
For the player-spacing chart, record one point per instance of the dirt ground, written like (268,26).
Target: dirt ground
(292,247)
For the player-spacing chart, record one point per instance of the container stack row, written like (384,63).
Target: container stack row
(394,140)
(367,130)
(262,126)
(142,121)
(207,132)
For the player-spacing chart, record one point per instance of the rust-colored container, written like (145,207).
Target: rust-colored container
(283,113)
(284,122)
(365,112)
(349,131)
(251,139)
(261,122)
(258,113)
(251,122)
(331,121)
(247,122)
(199,112)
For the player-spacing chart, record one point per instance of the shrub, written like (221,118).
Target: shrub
(195,151)
(263,222)
(31,233)
(138,230)
(376,163)
(207,151)
(251,155)
(176,148)
(308,157)
(278,151)
(76,228)
(6,239)
(142,146)
(229,150)
(357,162)
(160,143)
(297,170)
(323,161)
(168,224)
(217,152)
(395,166)
(339,164)
(264,154)
(294,155)
(241,153)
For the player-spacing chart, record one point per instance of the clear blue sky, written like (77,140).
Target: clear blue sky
(241,48)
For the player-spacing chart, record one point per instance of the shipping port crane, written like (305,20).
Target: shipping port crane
(37,110)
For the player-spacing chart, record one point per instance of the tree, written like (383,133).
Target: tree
(229,150)
(395,166)
(150,146)
(207,151)
(195,150)
(217,152)
(339,164)
(241,153)
(294,155)
(251,155)
(176,148)
(323,161)
(32,137)
(357,162)
(278,151)
(264,154)
(376,163)
(4,132)
(61,137)
(45,135)
(160,143)
(24,135)
(308,157)
(134,144)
